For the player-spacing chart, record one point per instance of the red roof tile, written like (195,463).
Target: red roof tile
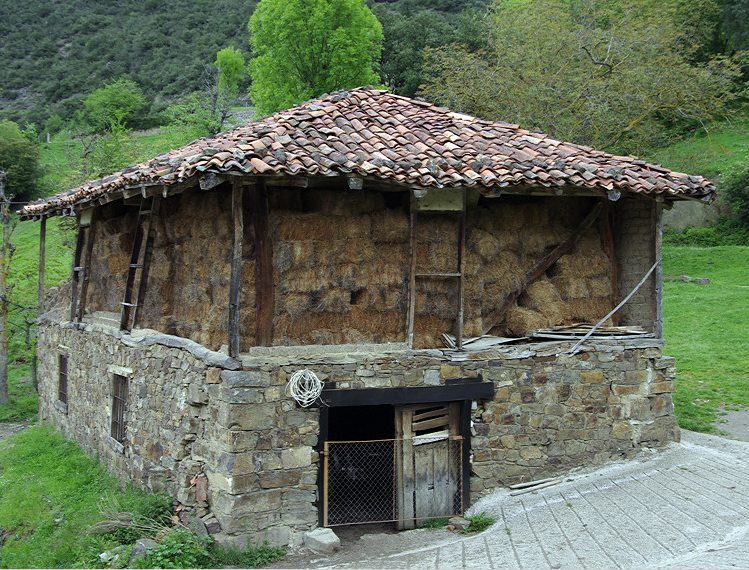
(372,133)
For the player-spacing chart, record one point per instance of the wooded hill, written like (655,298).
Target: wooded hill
(54,53)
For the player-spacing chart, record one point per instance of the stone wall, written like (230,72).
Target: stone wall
(220,432)
(635,242)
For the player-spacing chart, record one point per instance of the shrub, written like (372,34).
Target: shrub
(724,232)
(480,523)
(179,549)
(734,184)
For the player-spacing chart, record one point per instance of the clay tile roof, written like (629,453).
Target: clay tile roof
(372,133)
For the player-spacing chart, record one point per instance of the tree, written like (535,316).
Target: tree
(19,158)
(304,48)
(606,74)
(206,112)
(6,253)
(114,104)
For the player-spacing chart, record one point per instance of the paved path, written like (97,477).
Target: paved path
(686,506)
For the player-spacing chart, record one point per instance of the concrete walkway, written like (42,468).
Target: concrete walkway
(686,506)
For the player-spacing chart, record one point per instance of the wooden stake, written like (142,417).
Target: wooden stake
(264,297)
(42,254)
(235,283)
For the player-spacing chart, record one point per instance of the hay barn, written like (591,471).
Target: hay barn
(432,273)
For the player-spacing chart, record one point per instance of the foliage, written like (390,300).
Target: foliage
(111,106)
(23,399)
(54,53)
(735,187)
(50,495)
(179,549)
(407,32)
(604,74)
(736,22)
(206,112)
(250,557)
(304,48)
(705,329)
(725,232)
(19,158)
(480,523)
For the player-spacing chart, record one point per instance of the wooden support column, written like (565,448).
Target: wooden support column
(412,277)
(235,284)
(264,301)
(42,255)
(606,232)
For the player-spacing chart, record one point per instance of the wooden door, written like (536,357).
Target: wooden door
(428,457)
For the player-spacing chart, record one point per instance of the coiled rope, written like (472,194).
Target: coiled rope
(304,386)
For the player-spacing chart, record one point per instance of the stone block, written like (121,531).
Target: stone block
(322,540)
(276,479)
(246,378)
(296,457)
(213,376)
(595,377)
(528,453)
(661,387)
(247,416)
(625,389)
(431,377)
(621,430)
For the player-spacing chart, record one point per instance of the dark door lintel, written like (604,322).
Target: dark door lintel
(456,390)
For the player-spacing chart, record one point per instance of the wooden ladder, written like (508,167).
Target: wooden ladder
(457,275)
(140,256)
(81,259)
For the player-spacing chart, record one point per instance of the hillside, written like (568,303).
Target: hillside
(54,53)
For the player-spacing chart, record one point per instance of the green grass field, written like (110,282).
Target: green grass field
(706,329)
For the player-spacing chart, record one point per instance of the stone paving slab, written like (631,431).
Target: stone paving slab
(686,506)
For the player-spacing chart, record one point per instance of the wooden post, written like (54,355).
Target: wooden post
(412,278)
(86,262)
(325,487)
(235,284)
(461,268)
(264,298)
(42,254)
(76,276)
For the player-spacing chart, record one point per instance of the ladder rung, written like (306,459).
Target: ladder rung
(79,269)
(129,304)
(144,212)
(438,275)
(136,266)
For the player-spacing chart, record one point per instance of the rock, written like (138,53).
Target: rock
(459,523)
(111,555)
(322,540)
(140,550)
(199,529)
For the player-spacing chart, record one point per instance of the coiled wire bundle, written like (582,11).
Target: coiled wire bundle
(304,386)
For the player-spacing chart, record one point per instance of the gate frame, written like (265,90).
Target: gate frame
(463,390)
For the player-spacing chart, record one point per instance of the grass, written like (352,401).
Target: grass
(52,493)
(708,153)
(705,327)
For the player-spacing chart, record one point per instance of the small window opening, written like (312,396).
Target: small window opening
(62,385)
(357,297)
(119,403)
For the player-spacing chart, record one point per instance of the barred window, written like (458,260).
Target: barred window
(62,385)
(119,403)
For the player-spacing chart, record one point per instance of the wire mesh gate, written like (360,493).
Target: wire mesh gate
(392,479)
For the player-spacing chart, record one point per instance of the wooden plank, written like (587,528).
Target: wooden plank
(431,424)
(235,282)
(461,390)
(540,267)
(86,263)
(412,278)
(42,256)
(441,411)
(75,277)
(606,233)
(424,491)
(264,297)
(444,484)
(405,484)
(461,268)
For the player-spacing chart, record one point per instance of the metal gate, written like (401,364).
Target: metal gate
(389,480)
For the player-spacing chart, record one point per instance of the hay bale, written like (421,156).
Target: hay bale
(600,287)
(543,297)
(584,264)
(390,226)
(302,253)
(333,300)
(506,269)
(520,320)
(589,310)
(293,303)
(571,287)
(483,243)
(304,280)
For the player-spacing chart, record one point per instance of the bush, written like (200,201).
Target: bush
(724,232)
(179,549)
(734,184)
